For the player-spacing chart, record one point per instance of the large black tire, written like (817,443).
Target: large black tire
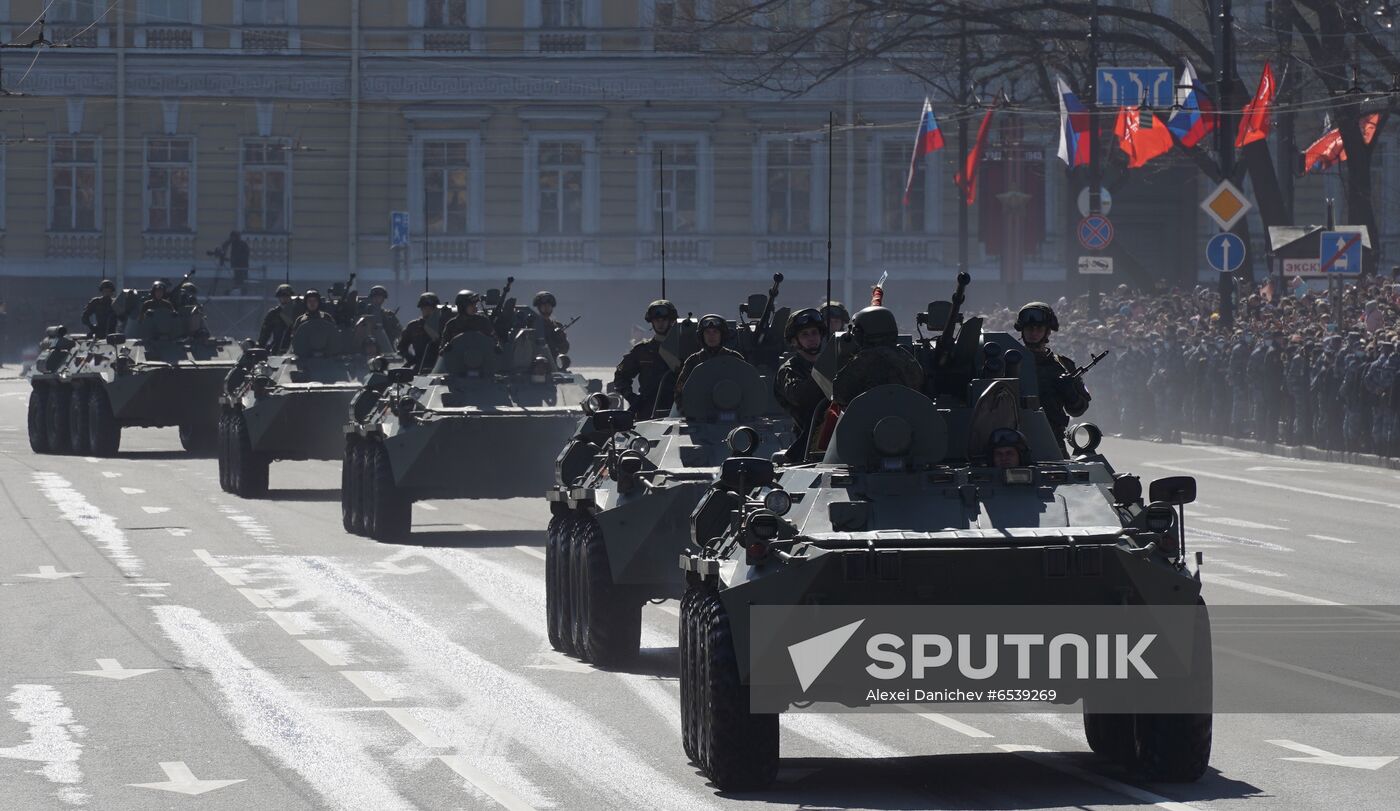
(611,615)
(690,727)
(249,469)
(573,572)
(225,452)
(1176,748)
(1110,736)
(349,504)
(199,437)
(390,513)
(78,438)
(555,581)
(104,432)
(57,422)
(359,500)
(39,417)
(738,749)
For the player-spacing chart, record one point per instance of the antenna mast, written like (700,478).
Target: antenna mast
(661,209)
(830,150)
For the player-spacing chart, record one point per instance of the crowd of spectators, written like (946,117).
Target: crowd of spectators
(1297,367)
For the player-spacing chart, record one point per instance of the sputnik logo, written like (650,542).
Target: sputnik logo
(810,657)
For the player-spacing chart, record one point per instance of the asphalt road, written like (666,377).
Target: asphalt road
(166,645)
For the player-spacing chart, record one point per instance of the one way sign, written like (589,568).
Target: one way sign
(1341,253)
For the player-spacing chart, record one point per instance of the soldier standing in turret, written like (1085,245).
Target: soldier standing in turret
(312,300)
(157,301)
(793,386)
(542,321)
(644,364)
(714,331)
(878,360)
(374,308)
(467,318)
(420,337)
(836,316)
(98,316)
(1061,396)
(277,322)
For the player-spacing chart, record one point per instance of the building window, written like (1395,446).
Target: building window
(559,183)
(895,216)
(169,172)
(168,12)
(561,13)
(788,185)
(676,165)
(265,12)
(75,184)
(74,11)
(445,14)
(266,185)
(446,165)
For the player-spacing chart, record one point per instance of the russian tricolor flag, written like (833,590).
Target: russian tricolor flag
(1074,127)
(928,139)
(1193,117)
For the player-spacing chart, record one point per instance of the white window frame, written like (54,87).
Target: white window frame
(817,207)
(704,181)
(292,25)
(193,225)
(875,198)
(97,214)
(196,23)
(592,18)
(418,15)
(287,187)
(591,184)
(476,188)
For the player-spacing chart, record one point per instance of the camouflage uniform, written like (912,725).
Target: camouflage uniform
(99,317)
(643,363)
(800,397)
(696,358)
(1060,397)
(875,366)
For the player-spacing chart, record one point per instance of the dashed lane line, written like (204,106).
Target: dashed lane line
(1265,591)
(295,623)
(1236,522)
(327,650)
(208,559)
(954,724)
(1307,491)
(1330,538)
(255,598)
(1044,757)
(232,576)
(532,552)
(369,688)
(419,730)
(503,796)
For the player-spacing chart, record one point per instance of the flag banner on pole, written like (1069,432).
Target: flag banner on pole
(967,178)
(1193,115)
(1328,151)
(927,140)
(1074,127)
(1141,139)
(1254,122)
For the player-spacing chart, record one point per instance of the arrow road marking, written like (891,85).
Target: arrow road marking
(49,573)
(1329,759)
(182,780)
(112,669)
(156,510)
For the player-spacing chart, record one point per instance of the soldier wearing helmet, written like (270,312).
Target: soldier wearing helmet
(836,317)
(467,319)
(878,360)
(543,323)
(418,342)
(373,309)
(644,364)
(793,386)
(100,316)
(1006,447)
(277,323)
(714,331)
(1061,396)
(314,311)
(158,300)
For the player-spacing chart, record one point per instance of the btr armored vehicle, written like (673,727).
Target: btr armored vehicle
(904,507)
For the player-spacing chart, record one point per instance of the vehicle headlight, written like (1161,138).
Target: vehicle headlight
(778,502)
(1160,518)
(639,444)
(764,525)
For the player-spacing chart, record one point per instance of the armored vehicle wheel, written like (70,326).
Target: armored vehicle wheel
(39,418)
(104,432)
(248,468)
(388,513)
(1110,735)
(555,582)
(573,573)
(78,438)
(199,437)
(1176,748)
(610,616)
(57,421)
(357,487)
(686,646)
(225,449)
(738,749)
(349,503)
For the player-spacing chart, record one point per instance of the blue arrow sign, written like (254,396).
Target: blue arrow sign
(1225,252)
(1130,87)
(1341,252)
(398,229)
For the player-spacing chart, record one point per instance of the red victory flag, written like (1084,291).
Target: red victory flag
(967,178)
(1141,140)
(1254,123)
(1327,151)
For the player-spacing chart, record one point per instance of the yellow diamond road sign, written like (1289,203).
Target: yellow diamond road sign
(1226,205)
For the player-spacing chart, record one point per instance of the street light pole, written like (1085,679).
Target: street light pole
(1224,139)
(1095,181)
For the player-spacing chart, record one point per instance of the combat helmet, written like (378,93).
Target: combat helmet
(835,309)
(465,297)
(428,300)
(106,284)
(1037,313)
(379,290)
(874,326)
(1008,438)
(284,290)
(713,321)
(542,297)
(661,308)
(800,320)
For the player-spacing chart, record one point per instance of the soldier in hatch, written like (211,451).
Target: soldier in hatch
(277,323)
(793,386)
(1007,448)
(878,359)
(542,321)
(836,316)
(99,316)
(644,364)
(420,338)
(467,319)
(714,331)
(158,300)
(312,300)
(1061,395)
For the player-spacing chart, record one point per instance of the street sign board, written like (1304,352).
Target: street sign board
(1131,87)
(1301,267)
(1226,205)
(1225,252)
(1341,253)
(1096,265)
(1105,202)
(398,229)
(1095,232)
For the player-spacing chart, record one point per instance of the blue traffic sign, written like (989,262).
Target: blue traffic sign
(1225,252)
(1341,252)
(1095,232)
(398,229)
(1130,87)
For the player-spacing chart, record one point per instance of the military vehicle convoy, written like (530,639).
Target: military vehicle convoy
(485,422)
(168,371)
(904,508)
(293,406)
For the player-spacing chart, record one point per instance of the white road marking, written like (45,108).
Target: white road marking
(1307,671)
(92,459)
(390,567)
(232,576)
(419,730)
(112,669)
(251,526)
(1298,468)
(1329,759)
(1196,534)
(180,780)
(1039,755)
(109,474)
(1236,522)
(53,738)
(1307,491)
(255,598)
(532,552)
(178,532)
(156,510)
(326,749)
(425,505)
(503,796)
(132,491)
(369,688)
(295,623)
(1240,567)
(50,573)
(1266,591)
(474,527)
(92,522)
(209,560)
(954,724)
(673,610)
(550,659)
(330,651)
(1330,538)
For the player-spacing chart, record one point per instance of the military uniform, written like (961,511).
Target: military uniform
(800,396)
(310,315)
(552,332)
(696,358)
(100,318)
(876,366)
(644,364)
(1060,398)
(466,322)
(152,304)
(275,333)
(419,341)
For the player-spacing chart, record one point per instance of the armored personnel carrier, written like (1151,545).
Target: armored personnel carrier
(485,422)
(293,406)
(903,507)
(167,371)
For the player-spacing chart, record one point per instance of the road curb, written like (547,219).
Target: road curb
(1307,452)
